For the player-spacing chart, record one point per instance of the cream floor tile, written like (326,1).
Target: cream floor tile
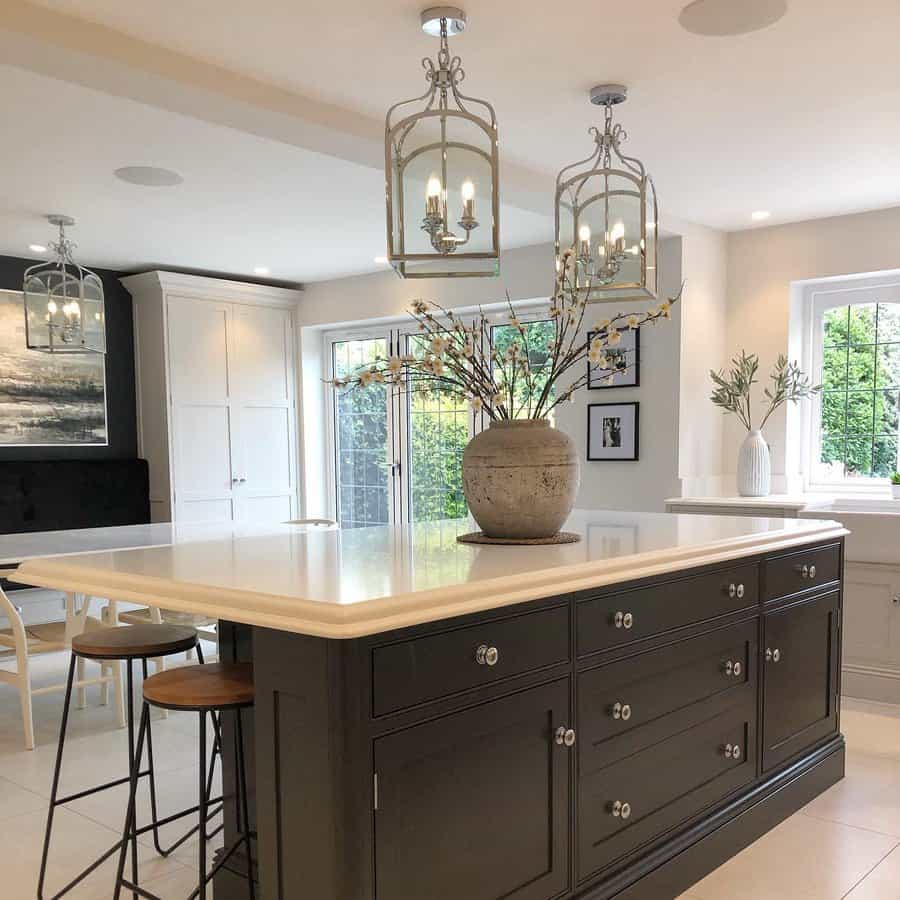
(868,797)
(76,842)
(176,790)
(801,859)
(15,800)
(871,728)
(883,883)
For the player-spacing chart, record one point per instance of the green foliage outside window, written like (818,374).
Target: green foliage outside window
(861,380)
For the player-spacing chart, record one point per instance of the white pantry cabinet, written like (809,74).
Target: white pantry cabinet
(216,384)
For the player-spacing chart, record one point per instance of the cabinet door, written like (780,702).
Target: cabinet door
(800,676)
(475,805)
(262,373)
(198,337)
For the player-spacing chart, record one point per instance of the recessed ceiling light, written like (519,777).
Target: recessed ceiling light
(148,176)
(260,270)
(720,18)
(760,215)
(37,248)
(381,260)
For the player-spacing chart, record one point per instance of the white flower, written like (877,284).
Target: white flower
(597,343)
(665,309)
(497,400)
(633,322)
(438,345)
(598,358)
(613,337)
(366,378)
(512,351)
(419,307)
(395,365)
(602,325)
(476,404)
(468,349)
(378,377)
(437,366)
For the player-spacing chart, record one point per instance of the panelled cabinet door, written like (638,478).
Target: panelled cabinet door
(198,333)
(475,805)
(800,676)
(263,409)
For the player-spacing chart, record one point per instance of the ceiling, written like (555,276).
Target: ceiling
(273,112)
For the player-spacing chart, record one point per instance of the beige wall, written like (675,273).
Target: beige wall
(671,356)
(763,264)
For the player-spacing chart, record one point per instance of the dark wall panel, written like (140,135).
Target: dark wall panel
(120,393)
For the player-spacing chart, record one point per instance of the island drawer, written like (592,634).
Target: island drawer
(619,618)
(800,571)
(627,704)
(632,801)
(437,665)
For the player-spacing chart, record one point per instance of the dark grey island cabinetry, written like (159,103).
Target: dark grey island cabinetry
(620,741)
(610,718)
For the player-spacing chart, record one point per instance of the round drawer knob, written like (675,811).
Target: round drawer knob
(621,711)
(487,656)
(740,591)
(732,751)
(565,737)
(628,620)
(619,810)
(773,655)
(812,571)
(733,668)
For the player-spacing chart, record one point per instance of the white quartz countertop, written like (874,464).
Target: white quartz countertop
(354,582)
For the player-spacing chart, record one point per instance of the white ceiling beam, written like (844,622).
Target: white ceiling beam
(103,59)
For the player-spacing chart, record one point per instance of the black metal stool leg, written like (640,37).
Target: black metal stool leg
(203,808)
(244,817)
(129,831)
(154,815)
(54,791)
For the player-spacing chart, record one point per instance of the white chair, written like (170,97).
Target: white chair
(49,638)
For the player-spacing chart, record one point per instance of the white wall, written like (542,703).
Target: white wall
(764,265)
(527,274)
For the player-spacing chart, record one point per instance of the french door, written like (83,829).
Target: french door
(397,454)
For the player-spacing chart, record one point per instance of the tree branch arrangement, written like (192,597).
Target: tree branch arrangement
(461,358)
(733,388)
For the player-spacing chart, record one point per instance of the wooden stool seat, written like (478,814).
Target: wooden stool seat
(197,688)
(135,641)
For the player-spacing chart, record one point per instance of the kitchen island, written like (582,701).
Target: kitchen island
(611,718)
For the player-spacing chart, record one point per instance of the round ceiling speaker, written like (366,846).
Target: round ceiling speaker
(148,176)
(720,18)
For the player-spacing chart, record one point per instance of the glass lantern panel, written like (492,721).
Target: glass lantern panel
(651,243)
(429,169)
(93,316)
(37,315)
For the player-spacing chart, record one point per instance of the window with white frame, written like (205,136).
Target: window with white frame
(855,354)
(398,455)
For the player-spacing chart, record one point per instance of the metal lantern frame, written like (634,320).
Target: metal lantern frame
(575,193)
(443,101)
(59,294)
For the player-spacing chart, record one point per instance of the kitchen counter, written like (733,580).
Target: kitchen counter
(351,583)
(607,719)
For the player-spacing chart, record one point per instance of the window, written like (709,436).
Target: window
(856,358)
(538,341)
(398,455)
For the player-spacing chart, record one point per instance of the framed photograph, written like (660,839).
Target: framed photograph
(612,431)
(624,363)
(46,399)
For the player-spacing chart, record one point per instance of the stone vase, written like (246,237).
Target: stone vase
(754,468)
(520,479)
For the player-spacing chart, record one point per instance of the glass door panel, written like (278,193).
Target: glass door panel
(362,438)
(439,427)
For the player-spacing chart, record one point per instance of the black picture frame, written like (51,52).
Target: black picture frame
(632,377)
(595,449)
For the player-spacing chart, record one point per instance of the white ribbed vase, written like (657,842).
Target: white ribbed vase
(754,468)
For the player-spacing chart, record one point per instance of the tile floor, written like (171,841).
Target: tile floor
(845,844)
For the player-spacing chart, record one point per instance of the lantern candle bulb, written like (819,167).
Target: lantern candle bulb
(618,238)
(468,198)
(433,198)
(584,243)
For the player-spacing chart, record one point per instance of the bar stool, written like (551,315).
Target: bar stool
(204,689)
(129,643)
